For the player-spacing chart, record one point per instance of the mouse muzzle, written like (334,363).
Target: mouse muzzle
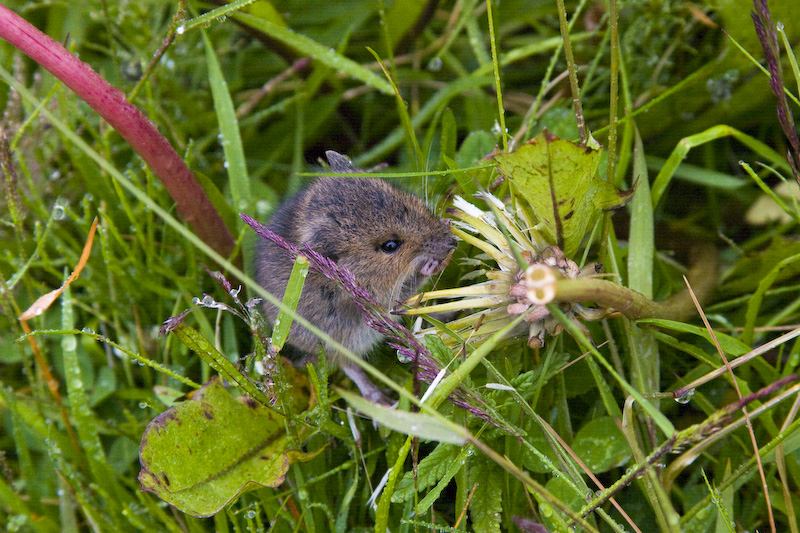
(436,257)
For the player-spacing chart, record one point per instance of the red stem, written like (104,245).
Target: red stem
(193,205)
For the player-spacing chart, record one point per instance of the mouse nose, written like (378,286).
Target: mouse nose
(433,266)
(440,245)
(437,256)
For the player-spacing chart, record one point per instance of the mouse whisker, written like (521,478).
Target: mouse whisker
(397,292)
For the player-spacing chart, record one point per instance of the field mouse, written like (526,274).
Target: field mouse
(386,237)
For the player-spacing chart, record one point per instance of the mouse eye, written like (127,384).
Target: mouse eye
(390,246)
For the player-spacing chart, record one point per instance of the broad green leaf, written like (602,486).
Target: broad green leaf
(449,137)
(536,439)
(559,180)
(475,147)
(601,445)
(200,455)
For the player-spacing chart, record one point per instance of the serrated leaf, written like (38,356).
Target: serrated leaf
(601,445)
(438,348)
(429,471)
(200,455)
(558,178)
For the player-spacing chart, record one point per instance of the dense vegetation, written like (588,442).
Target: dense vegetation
(662,426)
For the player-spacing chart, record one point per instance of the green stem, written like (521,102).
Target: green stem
(634,305)
(614,90)
(573,71)
(496,65)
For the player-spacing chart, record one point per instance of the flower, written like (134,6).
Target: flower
(522,272)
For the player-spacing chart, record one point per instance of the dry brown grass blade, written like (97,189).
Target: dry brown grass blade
(38,307)
(43,302)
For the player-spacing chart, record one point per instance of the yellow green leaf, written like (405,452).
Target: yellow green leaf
(558,178)
(201,454)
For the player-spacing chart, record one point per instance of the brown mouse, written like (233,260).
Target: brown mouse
(386,237)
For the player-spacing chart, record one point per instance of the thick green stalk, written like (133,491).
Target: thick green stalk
(634,305)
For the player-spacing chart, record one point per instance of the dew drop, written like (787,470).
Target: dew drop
(59,212)
(435,64)
(69,343)
(404,357)
(686,397)
(262,207)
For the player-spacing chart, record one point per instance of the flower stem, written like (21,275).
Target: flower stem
(634,305)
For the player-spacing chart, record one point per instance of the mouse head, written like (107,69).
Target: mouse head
(386,237)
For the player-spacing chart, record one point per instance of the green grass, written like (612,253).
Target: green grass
(582,433)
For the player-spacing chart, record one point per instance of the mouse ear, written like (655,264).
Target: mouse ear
(340,163)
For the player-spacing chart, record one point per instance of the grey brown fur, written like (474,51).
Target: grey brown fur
(349,220)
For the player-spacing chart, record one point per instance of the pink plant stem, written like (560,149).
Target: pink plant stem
(193,205)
